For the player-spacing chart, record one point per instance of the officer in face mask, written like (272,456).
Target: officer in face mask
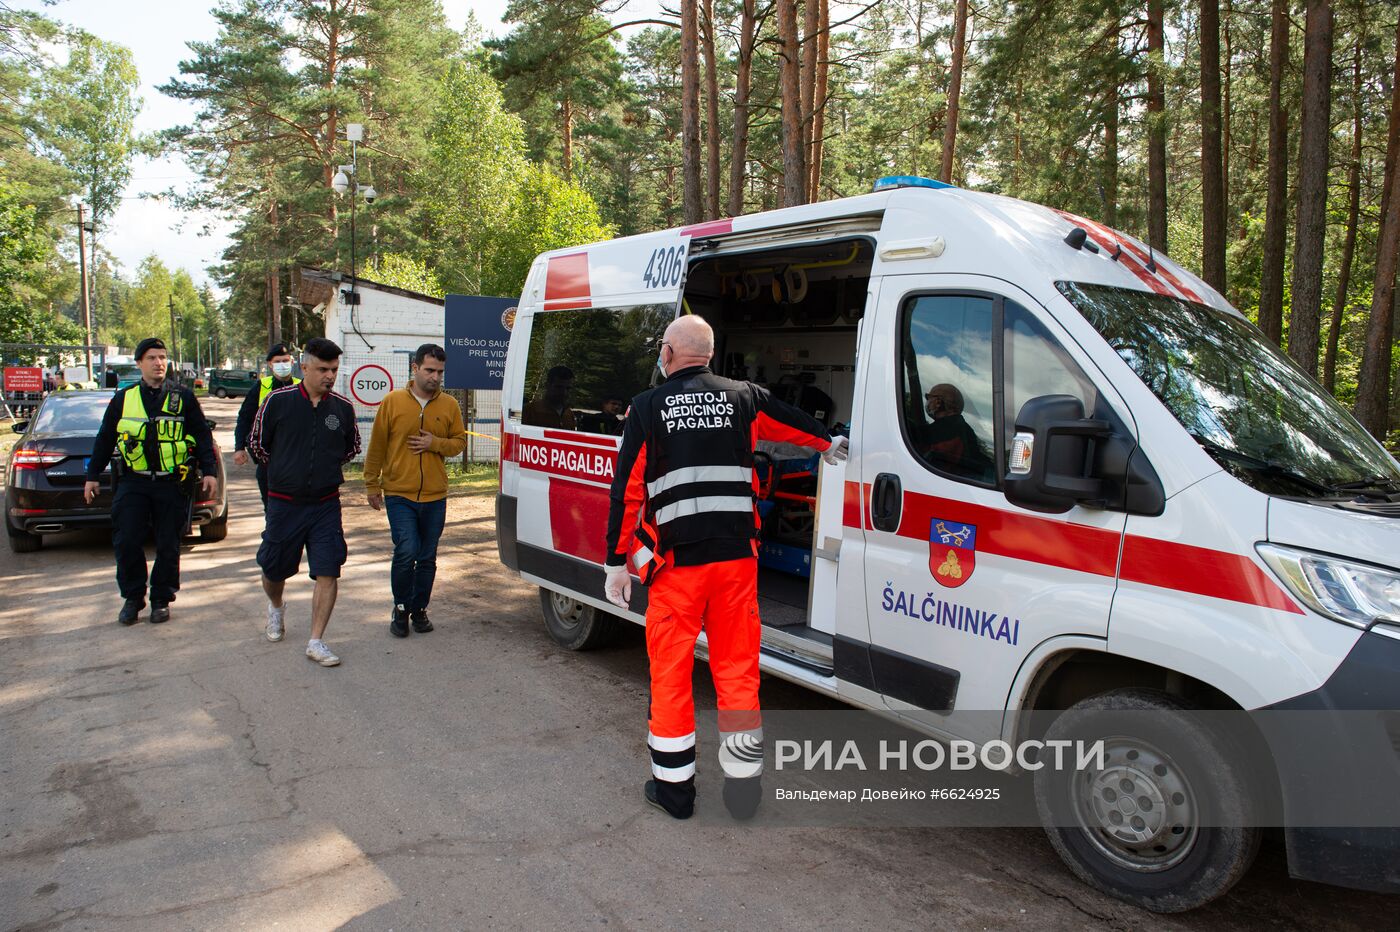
(279,360)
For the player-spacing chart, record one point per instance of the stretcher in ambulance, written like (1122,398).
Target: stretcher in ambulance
(1077,477)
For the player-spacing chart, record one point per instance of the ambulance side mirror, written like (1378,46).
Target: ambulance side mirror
(1052,456)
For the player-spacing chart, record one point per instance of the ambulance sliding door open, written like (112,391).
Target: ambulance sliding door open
(786,316)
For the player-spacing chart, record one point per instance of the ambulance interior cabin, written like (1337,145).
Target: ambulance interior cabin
(786,319)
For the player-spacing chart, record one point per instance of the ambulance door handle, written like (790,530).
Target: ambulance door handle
(886,502)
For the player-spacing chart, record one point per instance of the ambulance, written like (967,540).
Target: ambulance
(1078,480)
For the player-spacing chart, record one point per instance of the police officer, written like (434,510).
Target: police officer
(684,513)
(279,360)
(159,433)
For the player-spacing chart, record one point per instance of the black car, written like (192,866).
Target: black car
(48,466)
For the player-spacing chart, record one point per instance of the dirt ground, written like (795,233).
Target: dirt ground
(196,776)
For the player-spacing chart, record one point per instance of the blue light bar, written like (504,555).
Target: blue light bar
(908,181)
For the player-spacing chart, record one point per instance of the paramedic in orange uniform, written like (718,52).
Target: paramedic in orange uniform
(684,515)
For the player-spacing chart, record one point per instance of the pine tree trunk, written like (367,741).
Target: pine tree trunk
(1334,330)
(1110,154)
(794,153)
(807,84)
(1308,242)
(1373,383)
(1156,131)
(693,196)
(567,114)
(1212,162)
(739,158)
(1226,66)
(712,170)
(950,121)
(1276,208)
(814,178)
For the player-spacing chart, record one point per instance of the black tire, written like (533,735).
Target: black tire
(1176,759)
(215,530)
(220,392)
(23,541)
(575,625)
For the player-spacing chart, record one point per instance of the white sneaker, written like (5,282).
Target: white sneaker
(318,651)
(275,629)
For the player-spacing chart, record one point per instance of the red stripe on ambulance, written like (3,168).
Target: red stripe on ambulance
(561,459)
(1151,562)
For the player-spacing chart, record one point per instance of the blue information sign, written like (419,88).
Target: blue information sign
(477,334)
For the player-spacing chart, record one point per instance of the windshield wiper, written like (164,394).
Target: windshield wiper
(1379,485)
(1263,466)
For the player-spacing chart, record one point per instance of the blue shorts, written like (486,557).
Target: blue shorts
(292,528)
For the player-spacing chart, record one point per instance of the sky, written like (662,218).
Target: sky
(156,32)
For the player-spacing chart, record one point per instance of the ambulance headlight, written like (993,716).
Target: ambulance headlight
(1353,593)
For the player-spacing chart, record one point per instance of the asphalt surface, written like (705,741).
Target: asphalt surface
(196,776)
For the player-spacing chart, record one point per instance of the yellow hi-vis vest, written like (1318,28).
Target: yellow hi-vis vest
(141,437)
(268,384)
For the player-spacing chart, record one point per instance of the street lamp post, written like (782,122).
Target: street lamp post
(347,179)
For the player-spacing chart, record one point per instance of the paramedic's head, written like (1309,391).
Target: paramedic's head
(558,382)
(59,379)
(151,359)
(944,400)
(689,341)
(319,364)
(429,361)
(614,405)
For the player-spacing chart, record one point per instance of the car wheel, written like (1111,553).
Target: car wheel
(220,392)
(215,530)
(23,541)
(575,625)
(1166,824)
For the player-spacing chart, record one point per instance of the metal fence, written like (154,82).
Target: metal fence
(361,375)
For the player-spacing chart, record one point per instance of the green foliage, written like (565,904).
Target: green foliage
(402,271)
(23,249)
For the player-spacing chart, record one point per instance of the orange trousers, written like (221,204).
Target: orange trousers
(722,600)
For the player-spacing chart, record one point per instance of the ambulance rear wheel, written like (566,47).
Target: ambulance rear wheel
(1166,823)
(575,625)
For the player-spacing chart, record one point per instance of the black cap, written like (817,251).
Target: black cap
(279,349)
(147,345)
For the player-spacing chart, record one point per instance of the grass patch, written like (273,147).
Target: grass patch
(462,479)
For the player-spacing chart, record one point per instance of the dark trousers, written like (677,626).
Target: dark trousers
(141,505)
(261,473)
(415,528)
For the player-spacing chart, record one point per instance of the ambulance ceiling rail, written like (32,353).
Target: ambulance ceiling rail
(805,234)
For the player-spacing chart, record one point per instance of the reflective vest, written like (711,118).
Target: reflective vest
(268,384)
(66,387)
(153,446)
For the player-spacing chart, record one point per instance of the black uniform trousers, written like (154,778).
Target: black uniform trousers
(141,504)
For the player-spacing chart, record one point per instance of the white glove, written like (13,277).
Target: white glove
(838,451)
(618,587)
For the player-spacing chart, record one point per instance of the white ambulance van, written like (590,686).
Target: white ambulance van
(1078,479)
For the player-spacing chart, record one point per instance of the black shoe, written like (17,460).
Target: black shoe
(160,613)
(131,610)
(421,624)
(741,797)
(649,790)
(398,625)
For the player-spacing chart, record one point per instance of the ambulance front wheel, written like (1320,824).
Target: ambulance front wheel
(1165,823)
(576,625)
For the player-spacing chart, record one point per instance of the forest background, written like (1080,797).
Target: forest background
(1255,141)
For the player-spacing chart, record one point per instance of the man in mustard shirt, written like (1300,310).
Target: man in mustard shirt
(415,429)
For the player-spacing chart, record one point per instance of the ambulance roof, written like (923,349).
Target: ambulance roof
(981,233)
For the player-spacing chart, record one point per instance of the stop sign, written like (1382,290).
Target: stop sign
(370,383)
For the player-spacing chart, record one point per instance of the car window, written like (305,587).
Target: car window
(585,366)
(71,412)
(1037,365)
(946,388)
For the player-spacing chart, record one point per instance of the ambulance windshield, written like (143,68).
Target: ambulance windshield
(1259,415)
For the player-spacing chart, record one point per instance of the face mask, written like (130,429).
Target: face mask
(281,369)
(661,366)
